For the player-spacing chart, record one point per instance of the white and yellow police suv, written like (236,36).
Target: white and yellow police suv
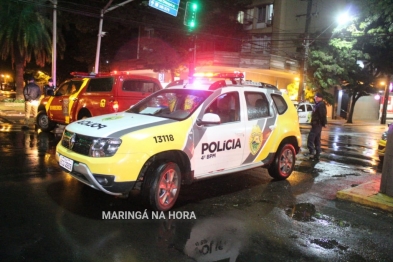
(183,133)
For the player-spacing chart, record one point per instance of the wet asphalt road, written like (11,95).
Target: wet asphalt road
(48,216)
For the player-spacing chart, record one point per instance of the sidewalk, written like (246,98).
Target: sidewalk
(12,109)
(368,194)
(365,194)
(343,122)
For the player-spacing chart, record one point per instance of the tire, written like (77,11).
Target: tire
(84,115)
(162,187)
(44,123)
(283,163)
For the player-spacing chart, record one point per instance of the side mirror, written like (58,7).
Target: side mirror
(300,110)
(209,119)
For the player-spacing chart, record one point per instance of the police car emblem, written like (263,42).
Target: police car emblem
(255,141)
(71,141)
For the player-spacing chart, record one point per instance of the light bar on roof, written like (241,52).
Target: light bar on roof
(219,75)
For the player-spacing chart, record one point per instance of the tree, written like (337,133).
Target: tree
(336,64)
(25,35)
(160,56)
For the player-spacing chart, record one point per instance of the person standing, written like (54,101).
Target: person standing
(318,120)
(49,86)
(32,94)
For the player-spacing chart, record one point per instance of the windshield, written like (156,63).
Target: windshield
(171,103)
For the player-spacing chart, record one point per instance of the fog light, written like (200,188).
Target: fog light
(102,180)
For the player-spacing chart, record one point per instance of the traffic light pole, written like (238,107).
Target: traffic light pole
(192,61)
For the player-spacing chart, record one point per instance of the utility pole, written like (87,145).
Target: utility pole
(54,41)
(306,43)
(385,101)
(105,10)
(386,186)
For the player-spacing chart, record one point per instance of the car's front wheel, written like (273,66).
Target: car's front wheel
(163,186)
(284,162)
(44,123)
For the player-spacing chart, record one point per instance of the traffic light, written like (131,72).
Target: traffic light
(190,15)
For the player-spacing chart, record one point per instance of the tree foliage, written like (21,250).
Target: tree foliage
(25,35)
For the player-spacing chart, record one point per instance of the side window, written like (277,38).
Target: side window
(301,108)
(74,87)
(280,103)
(131,86)
(257,105)
(148,87)
(63,89)
(226,106)
(309,108)
(139,86)
(100,84)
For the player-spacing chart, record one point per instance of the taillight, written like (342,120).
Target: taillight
(115,106)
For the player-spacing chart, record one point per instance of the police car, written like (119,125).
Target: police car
(304,110)
(181,134)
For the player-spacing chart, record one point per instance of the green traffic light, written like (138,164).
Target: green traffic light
(190,15)
(194,6)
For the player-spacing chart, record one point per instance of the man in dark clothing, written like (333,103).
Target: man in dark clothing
(318,120)
(49,86)
(32,94)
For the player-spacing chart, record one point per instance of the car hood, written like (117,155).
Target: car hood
(116,124)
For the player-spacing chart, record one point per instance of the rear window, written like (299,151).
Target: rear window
(100,84)
(140,86)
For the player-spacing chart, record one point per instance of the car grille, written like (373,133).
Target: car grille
(78,143)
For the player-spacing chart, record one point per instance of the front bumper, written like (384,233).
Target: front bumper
(82,173)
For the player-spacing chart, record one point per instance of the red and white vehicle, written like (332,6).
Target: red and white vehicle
(87,95)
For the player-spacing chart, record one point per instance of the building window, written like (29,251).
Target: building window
(246,17)
(265,14)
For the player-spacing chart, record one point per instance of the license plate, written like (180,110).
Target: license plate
(66,163)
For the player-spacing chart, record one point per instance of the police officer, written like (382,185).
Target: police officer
(32,94)
(318,120)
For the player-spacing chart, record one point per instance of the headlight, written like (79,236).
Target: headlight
(384,135)
(104,147)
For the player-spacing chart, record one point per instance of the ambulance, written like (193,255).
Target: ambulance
(191,130)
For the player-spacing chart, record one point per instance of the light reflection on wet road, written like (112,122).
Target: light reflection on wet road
(47,215)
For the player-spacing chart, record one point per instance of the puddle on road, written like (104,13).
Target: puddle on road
(301,212)
(328,244)
(346,175)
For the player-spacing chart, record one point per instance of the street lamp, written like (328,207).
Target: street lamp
(5,78)
(100,33)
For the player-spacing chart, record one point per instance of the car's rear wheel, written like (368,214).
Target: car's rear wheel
(284,162)
(162,187)
(44,123)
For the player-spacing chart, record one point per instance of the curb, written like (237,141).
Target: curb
(367,194)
